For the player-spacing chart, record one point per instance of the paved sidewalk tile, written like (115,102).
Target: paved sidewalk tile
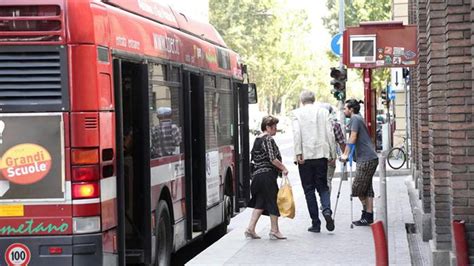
(344,246)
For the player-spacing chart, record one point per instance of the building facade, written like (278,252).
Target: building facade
(442,126)
(399,106)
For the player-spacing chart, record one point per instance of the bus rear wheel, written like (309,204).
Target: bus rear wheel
(228,209)
(221,230)
(164,238)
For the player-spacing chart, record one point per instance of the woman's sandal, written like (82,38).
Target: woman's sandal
(252,235)
(276,236)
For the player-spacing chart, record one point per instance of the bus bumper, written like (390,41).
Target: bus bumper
(75,250)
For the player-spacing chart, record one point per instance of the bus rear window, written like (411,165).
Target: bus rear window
(29,11)
(30,24)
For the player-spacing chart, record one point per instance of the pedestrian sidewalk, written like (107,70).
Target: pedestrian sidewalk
(343,246)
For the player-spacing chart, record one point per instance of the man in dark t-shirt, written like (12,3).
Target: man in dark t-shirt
(366,158)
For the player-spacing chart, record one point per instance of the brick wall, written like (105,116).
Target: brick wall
(443,107)
(437,122)
(412,19)
(469,167)
(460,110)
(422,109)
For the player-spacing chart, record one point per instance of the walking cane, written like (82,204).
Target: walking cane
(351,153)
(343,169)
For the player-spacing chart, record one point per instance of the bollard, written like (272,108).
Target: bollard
(380,242)
(462,252)
(382,204)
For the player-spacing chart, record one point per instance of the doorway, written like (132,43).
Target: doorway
(133,161)
(195,146)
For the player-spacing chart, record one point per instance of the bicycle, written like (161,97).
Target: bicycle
(397,156)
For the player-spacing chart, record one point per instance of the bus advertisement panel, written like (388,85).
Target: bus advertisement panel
(32,165)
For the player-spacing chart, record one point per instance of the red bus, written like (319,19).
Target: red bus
(123,132)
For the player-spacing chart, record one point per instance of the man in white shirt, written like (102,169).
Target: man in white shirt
(314,145)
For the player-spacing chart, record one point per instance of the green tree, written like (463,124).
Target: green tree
(271,38)
(241,22)
(356,11)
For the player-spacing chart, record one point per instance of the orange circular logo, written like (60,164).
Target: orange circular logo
(25,164)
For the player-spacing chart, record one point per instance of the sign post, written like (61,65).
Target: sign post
(338,42)
(379,45)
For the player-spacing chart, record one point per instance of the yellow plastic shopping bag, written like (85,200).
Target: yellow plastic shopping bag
(285,202)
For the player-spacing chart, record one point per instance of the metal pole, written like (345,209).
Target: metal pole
(382,212)
(389,122)
(407,123)
(341,103)
(341,23)
(368,103)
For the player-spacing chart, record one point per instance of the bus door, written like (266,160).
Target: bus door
(242,183)
(195,154)
(133,161)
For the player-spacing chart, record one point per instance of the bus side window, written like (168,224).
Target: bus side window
(165,128)
(226,112)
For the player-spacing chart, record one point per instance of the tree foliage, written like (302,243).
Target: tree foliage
(356,11)
(272,40)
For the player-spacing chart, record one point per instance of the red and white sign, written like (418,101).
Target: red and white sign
(17,255)
(25,163)
(380,45)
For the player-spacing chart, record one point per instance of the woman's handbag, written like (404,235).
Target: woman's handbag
(285,201)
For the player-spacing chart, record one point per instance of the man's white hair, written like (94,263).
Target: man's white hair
(307,96)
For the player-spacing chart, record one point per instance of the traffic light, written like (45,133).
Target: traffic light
(405,73)
(338,82)
(383,95)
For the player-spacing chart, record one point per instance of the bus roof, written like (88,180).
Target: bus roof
(141,27)
(165,14)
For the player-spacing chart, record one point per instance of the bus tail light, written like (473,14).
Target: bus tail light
(83,174)
(83,225)
(85,190)
(84,156)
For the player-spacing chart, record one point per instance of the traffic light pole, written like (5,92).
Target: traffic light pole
(369,102)
(341,65)
(341,23)
(407,122)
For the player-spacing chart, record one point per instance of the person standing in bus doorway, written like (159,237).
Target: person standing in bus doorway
(366,158)
(268,164)
(314,144)
(166,136)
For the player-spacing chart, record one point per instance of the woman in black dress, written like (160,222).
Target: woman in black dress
(266,158)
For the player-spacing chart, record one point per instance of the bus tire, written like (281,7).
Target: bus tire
(164,237)
(228,209)
(220,230)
